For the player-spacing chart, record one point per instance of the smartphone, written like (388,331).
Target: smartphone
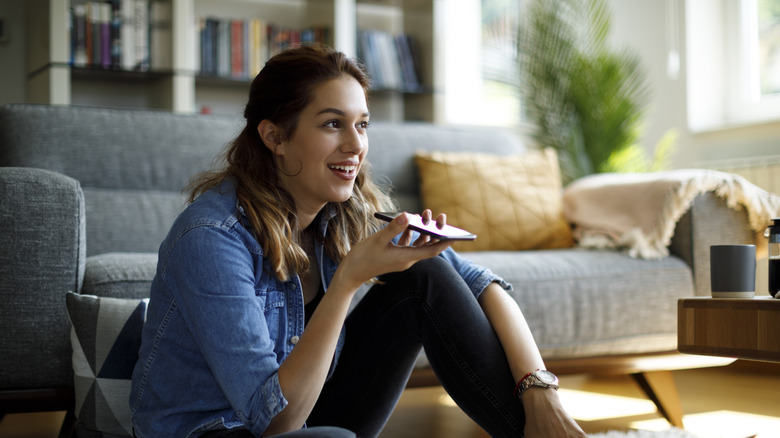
(448,232)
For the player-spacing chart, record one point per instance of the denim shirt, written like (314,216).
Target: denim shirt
(219,324)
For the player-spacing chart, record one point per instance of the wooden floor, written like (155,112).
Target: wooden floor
(737,401)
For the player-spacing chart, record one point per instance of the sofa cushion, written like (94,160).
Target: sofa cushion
(106,336)
(510,202)
(132,164)
(129,220)
(120,275)
(584,303)
(114,148)
(393,146)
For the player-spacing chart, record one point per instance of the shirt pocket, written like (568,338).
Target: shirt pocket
(273,303)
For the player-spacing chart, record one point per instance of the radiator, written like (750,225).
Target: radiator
(761,171)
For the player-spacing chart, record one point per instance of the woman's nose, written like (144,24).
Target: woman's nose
(355,142)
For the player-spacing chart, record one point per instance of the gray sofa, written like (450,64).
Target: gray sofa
(87,195)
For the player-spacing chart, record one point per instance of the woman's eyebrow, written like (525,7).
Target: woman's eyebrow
(338,112)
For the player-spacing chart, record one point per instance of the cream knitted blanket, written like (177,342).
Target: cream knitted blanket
(638,211)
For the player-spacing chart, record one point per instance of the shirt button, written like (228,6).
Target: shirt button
(294,340)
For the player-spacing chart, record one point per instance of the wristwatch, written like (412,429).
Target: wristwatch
(541,378)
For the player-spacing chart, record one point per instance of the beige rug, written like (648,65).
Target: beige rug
(672,433)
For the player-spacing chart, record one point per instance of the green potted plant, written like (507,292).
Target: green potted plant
(583,98)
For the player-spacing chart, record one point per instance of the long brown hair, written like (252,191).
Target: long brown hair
(279,93)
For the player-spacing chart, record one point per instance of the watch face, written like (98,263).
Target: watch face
(547,377)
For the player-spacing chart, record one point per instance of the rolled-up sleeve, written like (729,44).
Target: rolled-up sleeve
(477,277)
(214,285)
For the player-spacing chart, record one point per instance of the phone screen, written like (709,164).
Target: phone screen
(448,232)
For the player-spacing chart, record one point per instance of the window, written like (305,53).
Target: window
(733,57)
(767,33)
(481,77)
(500,76)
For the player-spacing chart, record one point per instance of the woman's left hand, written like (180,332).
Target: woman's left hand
(377,254)
(422,239)
(546,417)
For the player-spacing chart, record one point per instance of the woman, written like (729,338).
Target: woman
(248,332)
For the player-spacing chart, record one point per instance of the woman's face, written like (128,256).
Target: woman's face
(321,160)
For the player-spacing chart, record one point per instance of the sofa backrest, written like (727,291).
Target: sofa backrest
(133,164)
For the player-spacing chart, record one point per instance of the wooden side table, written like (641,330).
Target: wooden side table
(740,328)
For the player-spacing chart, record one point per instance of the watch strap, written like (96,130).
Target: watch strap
(531,379)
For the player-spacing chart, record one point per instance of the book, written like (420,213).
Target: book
(237,48)
(133,35)
(390,61)
(223,48)
(104,25)
(116,34)
(160,35)
(141,34)
(127,35)
(79,36)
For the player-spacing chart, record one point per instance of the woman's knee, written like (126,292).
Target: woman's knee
(428,278)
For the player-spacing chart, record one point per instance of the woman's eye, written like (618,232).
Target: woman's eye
(333,124)
(364,125)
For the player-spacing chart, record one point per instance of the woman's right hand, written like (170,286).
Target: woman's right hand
(377,254)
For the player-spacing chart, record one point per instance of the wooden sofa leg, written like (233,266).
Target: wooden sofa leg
(659,387)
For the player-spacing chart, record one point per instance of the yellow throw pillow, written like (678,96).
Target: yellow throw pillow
(510,202)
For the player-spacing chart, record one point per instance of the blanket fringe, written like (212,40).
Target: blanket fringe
(761,207)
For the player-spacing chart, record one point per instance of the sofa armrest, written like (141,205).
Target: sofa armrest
(41,258)
(708,222)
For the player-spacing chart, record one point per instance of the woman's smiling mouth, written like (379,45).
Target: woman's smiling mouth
(345,171)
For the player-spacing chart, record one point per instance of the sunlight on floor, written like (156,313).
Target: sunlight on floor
(589,406)
(721,424)
(446,400)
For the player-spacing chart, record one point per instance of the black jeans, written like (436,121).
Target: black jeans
(428,306)
(313,432)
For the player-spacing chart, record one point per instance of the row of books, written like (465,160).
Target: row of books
(238,48)
(392,61)
(135,35)
(121,35)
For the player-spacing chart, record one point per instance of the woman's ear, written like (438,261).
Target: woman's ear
(270,135)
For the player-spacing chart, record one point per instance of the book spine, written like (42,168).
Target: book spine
(236,49)
(116,34)
(223,48)
(141,34)
(88,34)
(213,28)
(246,38)
(105,35)
(205,46)
(128,35)
(390,60)
(79,35)
(160,44)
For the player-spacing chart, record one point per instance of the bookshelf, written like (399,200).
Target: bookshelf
(58,73)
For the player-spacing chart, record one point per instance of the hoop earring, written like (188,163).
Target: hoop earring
(281,170)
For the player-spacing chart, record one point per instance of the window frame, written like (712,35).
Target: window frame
(724,85)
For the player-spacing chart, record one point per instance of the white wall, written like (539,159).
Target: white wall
(642,26)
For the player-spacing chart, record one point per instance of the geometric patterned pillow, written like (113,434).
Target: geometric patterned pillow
(106,337)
